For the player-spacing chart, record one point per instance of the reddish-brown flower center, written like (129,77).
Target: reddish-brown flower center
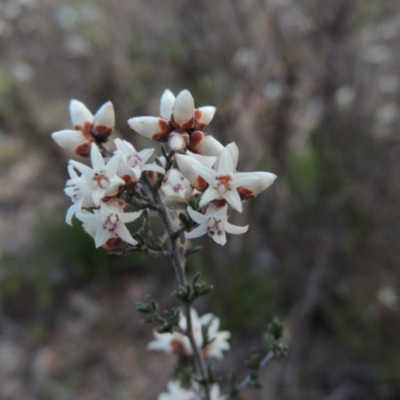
(223,183)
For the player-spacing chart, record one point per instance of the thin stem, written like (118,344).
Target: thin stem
(106,150)
(247,380)
(178,262)
(143,250)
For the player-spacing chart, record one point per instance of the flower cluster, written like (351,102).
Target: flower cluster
(198,167)
(192,187)
(213,345)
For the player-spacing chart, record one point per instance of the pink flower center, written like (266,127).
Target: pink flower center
(101,179)
(134,160)
(214,226)
(223,183)
(176,188)
(110,222)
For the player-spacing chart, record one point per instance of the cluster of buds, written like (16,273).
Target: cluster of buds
(198,167)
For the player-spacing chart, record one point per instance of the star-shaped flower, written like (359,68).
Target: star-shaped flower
(176,187)
(88,128)
(134,162)
(101,180)
(225,183)
(178,342)
(80,196)
(108,223)
(179,124)
(214,223)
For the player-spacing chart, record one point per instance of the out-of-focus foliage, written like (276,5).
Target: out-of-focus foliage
(308,89)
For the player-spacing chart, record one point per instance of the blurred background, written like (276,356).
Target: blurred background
(309,90)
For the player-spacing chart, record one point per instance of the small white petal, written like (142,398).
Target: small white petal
(234,150)
(196,216)
(209,195)
(124,146)
(225,162)
(254,181)
(105,116)
(167,104)
(244,179)
(207,174)
(185,165)
(96,157)
(153,167)
(259,182)
(233,198)
(209,146)
(145,154)
(68,139)
(113,164)
(72,210)
(102,235)
(82,168)
(129,217)
(234,229)
(79,113)
(97,195)
(206,114)
(220,239)
(123,232)
(207,161)
(196,232)
(183,109)
(147,126)
(71,171)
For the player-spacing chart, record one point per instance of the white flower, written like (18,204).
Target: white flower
(214,223)
(179,124)
(178,343)
(185,164)
(102,179)
(80,196)
(225,183)
(176,187)
(108,223)
(222,182)
(88,128)
(218,340)
(133,162)
(176,392)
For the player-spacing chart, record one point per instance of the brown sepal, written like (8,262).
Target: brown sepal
(86,130)
(102,132)
(153,176)
(245,193)
(195,138)
(197,125)
(83,149)
(129,183)
(219,203)
(201,184)
(113,243)
(165,129)
(186,125)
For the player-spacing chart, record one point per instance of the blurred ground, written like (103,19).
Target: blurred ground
(309,90)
